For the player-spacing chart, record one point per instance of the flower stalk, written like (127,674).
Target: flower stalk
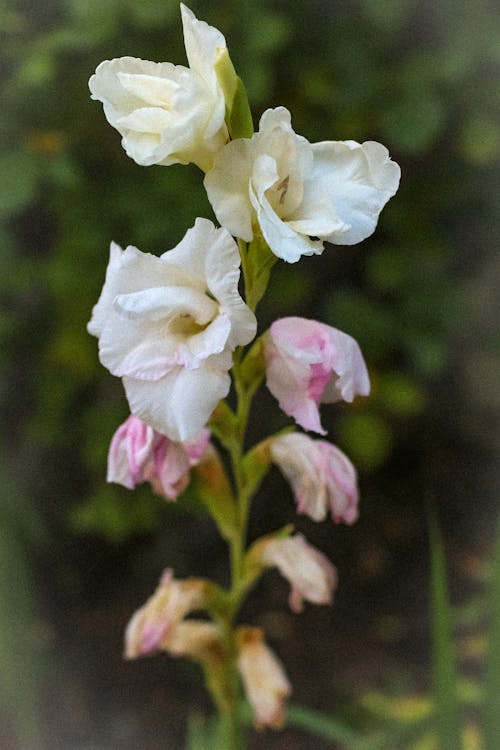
(173,327)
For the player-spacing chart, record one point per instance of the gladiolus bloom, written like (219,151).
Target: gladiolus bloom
(296,194)
(165,113)
(167,326)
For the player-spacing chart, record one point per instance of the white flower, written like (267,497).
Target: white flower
(167,325)
(297,194)
(165,113)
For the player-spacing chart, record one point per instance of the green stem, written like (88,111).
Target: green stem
(230,729)
(230,734)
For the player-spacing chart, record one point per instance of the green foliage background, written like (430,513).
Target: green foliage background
(419,76)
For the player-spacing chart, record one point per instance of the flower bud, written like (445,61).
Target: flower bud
(266,684)
(309,363)
(152,624)
(138,453)
(322,477)
(165,113)
(310,573)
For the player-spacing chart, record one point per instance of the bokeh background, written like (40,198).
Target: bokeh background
(421,296)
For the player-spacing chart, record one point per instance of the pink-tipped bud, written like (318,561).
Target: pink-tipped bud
(138,453)
(322,477)
(311,575)
(266,684)
(152,624)
(309,363)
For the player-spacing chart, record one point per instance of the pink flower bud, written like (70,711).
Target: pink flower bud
(138,453)
(152,624)
(266,684)
(311,575)
(130,451)
(309,363)
(322,477)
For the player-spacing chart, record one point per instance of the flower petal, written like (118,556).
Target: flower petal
(359,180)
(322,477)
(180,403)
(266,684)
(202,43)
(309,362)
(311,575)
(227,187)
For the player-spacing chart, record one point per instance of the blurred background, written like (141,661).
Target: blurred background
(78,556)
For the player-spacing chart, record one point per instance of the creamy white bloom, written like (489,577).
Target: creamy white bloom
(165,113)
(167,325)
(297,194)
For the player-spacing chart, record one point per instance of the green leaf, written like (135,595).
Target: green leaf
(253,367)
(443,657)
(238,115)
(260,264)
(21,668)
(211,485)
(224,425)
(110,513)
(390,15)
(321,724)
(480,141)
(240,123)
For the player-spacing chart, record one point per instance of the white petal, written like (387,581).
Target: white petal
(104,305)
(316,218)
(223,273)
(136,348)
(202,43)
(279,117)
(166,301)
(281,237)
(146,120)
(130,271)
(190,253)
(154,90)
(227,187)
(179,404)
(212,340)
(359,180)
